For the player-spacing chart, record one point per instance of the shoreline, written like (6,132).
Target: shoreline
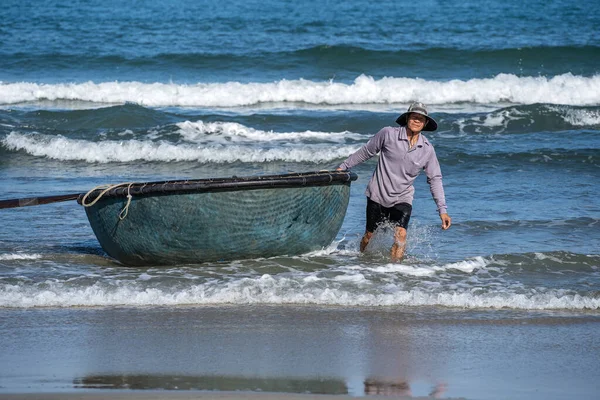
(252,352)
(175,395)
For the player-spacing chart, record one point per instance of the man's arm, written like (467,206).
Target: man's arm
(434,179)
(370,149)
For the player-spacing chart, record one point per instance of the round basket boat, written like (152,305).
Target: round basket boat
(196,221)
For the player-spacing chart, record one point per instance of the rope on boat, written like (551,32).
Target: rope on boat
(105,189)
(125,209)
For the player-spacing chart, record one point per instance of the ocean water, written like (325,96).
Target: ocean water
(106,92)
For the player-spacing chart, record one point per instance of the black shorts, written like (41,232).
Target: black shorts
(398,215)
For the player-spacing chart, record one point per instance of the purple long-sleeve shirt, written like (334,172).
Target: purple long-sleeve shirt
(398,167)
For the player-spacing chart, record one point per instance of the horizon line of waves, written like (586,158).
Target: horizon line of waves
(318,51)
(65,149)
(565,89)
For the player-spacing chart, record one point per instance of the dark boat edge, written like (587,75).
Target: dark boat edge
(290,180)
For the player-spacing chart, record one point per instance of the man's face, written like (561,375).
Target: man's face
(416,122)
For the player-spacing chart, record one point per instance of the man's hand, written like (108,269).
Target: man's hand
(446,221)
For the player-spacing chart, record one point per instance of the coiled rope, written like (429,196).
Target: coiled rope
(105,189)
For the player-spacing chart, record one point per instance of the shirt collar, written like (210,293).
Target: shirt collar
(402,135)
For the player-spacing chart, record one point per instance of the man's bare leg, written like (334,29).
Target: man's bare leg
(399,245)
(365,241)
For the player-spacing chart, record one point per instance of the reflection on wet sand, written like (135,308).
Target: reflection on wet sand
(372,386)
(399,388)
(212,383)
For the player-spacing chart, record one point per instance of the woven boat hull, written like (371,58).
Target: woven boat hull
(226,219)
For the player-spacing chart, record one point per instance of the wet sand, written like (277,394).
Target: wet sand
(187,396)
(270,352)
(157,395)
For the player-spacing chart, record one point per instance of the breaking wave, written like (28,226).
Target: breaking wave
(480,282)
(567,89)
(63,148)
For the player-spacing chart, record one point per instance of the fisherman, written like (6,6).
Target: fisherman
(404,152)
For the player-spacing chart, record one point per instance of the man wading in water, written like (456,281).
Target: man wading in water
(404,152)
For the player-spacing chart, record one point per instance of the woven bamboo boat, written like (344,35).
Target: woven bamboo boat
(195,221)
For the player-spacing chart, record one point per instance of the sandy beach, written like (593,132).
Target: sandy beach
(296,352)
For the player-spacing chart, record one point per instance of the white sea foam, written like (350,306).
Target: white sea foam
(501,119)
(582,117)
(228,132)
(466,266)
(496,119)
(333,248)
(268,289)
(62,148)
(504,88)
(19,256)
(351,285)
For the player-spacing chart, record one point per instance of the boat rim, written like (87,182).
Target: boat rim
(186,186)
